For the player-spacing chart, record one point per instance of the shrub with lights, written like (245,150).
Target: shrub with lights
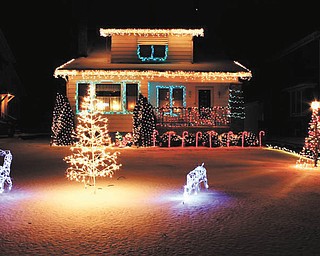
(144,122)
(63,125)
(93,155)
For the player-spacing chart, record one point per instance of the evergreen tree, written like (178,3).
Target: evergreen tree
(90,158)
(63,125)
(144,122)
(310,151)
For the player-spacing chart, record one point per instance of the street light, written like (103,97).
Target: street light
(315,105)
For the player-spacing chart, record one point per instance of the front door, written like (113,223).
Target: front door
(204,97)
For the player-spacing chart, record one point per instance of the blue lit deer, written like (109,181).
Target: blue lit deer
(194,180)
(5,170)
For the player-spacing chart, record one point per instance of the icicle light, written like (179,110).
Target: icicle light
(151,32)
(151,74)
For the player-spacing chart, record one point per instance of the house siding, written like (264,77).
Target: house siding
(123,122)
(124,48)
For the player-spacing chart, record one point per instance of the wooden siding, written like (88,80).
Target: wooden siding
(123,122)
(124,48)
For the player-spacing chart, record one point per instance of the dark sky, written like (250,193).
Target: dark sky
(42,34)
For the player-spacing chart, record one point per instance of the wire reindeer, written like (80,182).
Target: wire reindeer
(5,180)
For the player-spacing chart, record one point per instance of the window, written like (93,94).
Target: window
(296,103)
(118,97)
(110,96)
(156,53)
(82,90)
(172,97)
(131,96)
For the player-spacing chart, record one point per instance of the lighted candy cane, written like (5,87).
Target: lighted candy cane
(260,134)
(244,133)
(228,138)
(155,132)
(197,137)
(211,133)
(184,133)
(169,137)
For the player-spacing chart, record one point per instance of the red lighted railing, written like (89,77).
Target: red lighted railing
(192,116)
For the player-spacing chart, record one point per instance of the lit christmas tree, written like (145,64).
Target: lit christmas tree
(63,126)
(310,151)
(144,122)
(90,158)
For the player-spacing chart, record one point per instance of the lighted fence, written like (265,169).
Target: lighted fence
(192,116)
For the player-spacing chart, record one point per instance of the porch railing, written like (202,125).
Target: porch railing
(192,116)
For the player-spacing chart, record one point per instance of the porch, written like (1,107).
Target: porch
(177,118)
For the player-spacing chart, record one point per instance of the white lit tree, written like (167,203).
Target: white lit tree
(92,156)
(310,151)
(63,126)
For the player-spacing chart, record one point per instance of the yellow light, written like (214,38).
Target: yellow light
(151,32)
(315,105)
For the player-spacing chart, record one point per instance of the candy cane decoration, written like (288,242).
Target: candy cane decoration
(244,133)
(169,137)
(184,133)
(260,135)
(211,133)
(197,137)
(154,134)
(228,138)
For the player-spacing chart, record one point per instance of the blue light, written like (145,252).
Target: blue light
(152,58)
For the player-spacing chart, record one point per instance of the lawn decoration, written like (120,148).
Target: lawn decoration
(5,170)
(194,180)
(90,158)
(309,154)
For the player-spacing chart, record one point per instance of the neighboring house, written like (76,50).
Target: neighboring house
(159,64)
(287,104)
(10,89)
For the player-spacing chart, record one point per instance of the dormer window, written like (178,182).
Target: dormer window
(156,53)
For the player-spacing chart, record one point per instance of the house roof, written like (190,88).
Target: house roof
(96,64)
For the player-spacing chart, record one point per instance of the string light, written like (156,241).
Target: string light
(5,179)
(90,158)
(194,180)
(63,126)
(105,32)
(151,74)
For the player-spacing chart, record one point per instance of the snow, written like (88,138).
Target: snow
(257,203)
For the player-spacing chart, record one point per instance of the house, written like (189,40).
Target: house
(160,64)
(296,69)
(10,89)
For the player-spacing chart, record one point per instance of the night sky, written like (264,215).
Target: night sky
(43,35)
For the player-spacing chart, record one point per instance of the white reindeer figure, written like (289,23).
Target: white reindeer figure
(194,180)
(5,170)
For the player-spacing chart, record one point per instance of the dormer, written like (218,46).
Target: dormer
(150,45)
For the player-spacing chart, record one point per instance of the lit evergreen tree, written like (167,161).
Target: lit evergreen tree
(144,122)
(63,125)
(310,151)
(90,158)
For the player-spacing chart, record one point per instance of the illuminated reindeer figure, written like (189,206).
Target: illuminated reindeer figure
(5,170)
(194,180)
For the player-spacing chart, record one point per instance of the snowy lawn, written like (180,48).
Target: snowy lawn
(257,203)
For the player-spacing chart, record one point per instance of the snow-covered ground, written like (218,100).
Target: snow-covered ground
(257,203)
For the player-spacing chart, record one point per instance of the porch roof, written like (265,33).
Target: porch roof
(97,63)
